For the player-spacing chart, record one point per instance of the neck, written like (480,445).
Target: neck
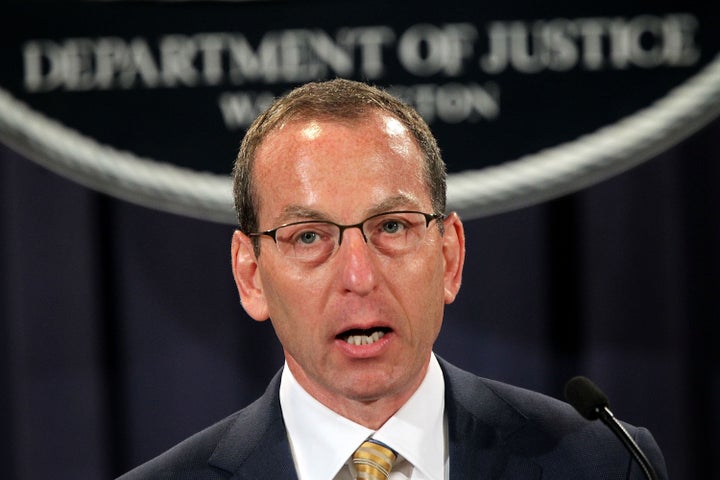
(370,412)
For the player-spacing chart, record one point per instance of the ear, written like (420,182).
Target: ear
(454,253)
(247,277)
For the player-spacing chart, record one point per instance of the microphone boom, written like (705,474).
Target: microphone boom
(592,404)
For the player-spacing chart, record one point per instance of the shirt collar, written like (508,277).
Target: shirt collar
(322,440)
(416,431)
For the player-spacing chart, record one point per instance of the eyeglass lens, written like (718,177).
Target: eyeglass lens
(391,234)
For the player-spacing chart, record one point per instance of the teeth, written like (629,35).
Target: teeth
(365,339)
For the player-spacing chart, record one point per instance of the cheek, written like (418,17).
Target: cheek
(421,285)
(292,296)
(424,274)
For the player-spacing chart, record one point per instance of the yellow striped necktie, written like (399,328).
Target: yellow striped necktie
(373,461)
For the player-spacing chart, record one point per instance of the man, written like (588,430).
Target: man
(345,246)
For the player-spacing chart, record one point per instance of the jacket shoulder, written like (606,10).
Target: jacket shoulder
(541,429)
(188,459)
(218,450)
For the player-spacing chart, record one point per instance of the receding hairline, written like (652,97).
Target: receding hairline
(357,117)
(348,117)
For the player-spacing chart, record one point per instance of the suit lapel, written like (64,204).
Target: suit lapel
(482,430)
(256,446)
(483,434)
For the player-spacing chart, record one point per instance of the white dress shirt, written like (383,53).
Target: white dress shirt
(322,442)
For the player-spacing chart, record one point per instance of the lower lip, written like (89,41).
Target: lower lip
(365,351)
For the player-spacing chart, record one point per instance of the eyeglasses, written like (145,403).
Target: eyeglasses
(314,241)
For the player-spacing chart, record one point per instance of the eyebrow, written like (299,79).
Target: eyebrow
(400,201)
(293,213)
(298,212)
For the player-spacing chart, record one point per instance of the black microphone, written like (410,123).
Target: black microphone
(592,404)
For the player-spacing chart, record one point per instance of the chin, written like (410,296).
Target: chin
(372,388)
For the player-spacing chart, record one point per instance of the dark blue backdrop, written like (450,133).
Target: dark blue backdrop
(121,332)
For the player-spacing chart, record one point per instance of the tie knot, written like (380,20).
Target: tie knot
(373,460)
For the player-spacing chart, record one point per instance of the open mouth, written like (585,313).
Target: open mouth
(363,337)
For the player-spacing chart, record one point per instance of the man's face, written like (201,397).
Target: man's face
(345,172)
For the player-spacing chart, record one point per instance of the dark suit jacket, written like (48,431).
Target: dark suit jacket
(496,431)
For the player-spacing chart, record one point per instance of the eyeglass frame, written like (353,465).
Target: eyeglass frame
(272,233)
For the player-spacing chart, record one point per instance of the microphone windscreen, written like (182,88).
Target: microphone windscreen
(586,397)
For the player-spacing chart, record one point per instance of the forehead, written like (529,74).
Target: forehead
(339,165)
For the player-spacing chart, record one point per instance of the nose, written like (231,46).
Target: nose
(357,263)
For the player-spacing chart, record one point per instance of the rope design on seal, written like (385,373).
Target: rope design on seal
(120,173)
(591,158)
(476,193)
